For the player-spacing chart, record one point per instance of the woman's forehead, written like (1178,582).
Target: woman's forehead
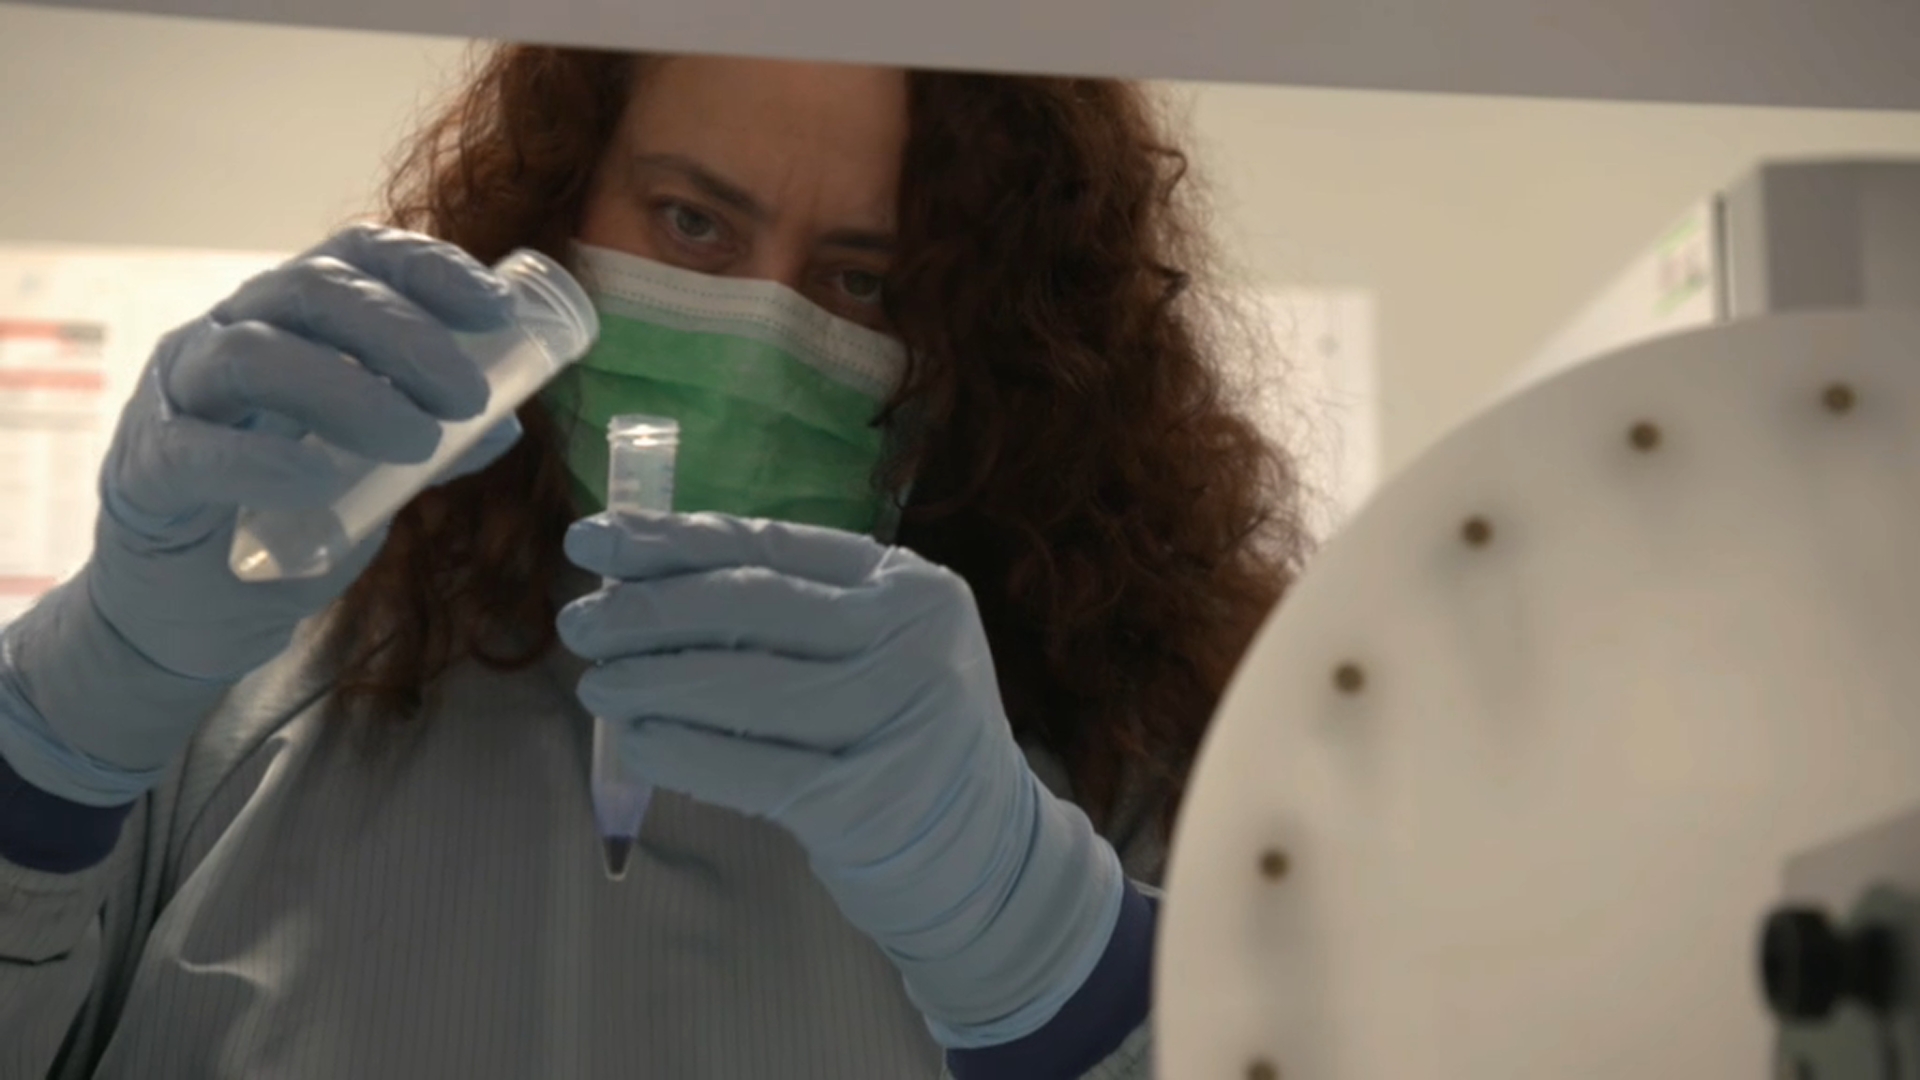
(771,125)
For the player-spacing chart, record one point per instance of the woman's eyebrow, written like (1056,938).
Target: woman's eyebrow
(710,183)
(862,240)
(722,190)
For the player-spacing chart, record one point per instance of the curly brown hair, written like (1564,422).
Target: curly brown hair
(1075,457)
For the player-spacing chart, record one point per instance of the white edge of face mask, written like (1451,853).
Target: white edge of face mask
(828,337)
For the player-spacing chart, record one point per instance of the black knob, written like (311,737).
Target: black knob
(1808,967)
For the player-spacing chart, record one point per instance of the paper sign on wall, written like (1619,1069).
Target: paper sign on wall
(1677,283)
(1319,394)
(76,327)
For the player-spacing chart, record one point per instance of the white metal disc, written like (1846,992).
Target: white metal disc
(1537,841)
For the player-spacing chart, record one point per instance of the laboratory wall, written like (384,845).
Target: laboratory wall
(1479,225)
(1474,225)
(131,130)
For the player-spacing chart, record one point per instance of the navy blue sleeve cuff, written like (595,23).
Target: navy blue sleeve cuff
(41,831)
(1094,1022)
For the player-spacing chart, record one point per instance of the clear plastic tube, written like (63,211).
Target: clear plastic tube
(553,324)
(641,451)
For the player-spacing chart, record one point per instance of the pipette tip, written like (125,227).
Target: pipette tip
(616,849)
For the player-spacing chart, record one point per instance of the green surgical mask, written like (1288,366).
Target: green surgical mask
(775,397)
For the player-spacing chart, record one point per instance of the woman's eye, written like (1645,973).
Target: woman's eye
(691,224)
(863,286)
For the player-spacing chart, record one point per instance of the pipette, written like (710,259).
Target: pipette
(640,460)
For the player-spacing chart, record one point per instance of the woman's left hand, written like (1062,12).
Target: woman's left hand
(844,690)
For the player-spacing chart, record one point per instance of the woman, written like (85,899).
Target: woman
(365,848)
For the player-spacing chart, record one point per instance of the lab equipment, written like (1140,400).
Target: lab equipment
(1506,787)
(775,396)
(845,692)
(1837,956)
(641,451)
(553,323)
(104,679)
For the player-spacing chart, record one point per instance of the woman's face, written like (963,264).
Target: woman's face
(760,169)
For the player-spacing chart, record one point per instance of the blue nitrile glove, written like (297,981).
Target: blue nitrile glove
(104,680)
(844,691)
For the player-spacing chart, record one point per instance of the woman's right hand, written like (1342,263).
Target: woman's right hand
(215,424)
